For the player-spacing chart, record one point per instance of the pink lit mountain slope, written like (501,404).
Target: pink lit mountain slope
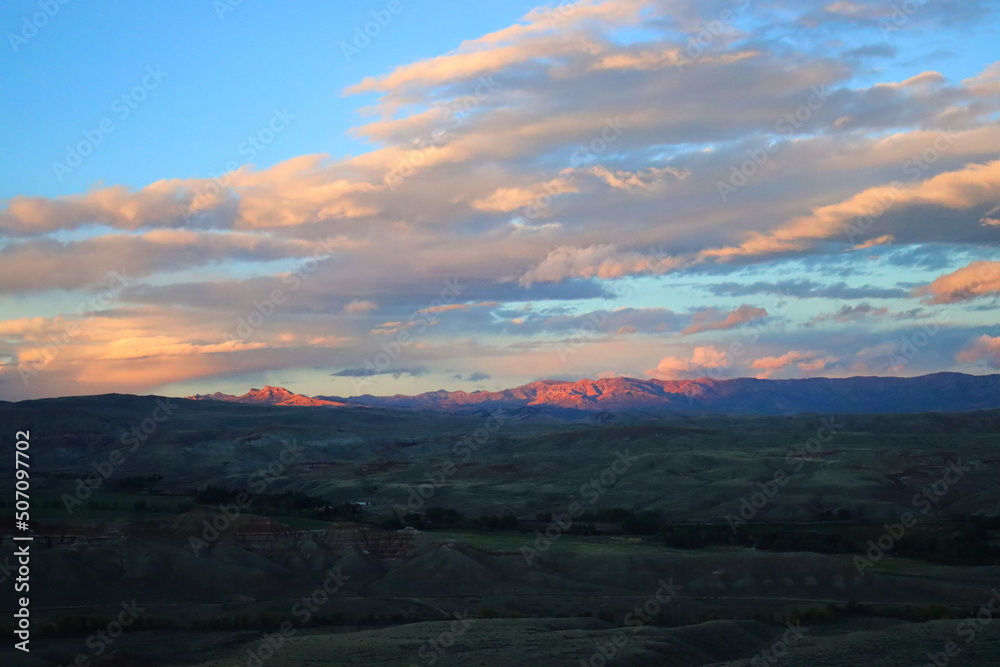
(268,396)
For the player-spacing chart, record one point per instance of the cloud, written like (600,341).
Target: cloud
(644,180)
(395,327)
(597,261)
(806,289)
(534,36)
(298,191)
(804,359)
(415,371)
(711,319)
(597,322)
(883,50)
(817,364)
(780,362)
(509,199)
(985,349)
(359,307)
(456,306)
(477,376)
(972,186)
(41,264)
(135,349)
(975,280)
(851,314)
(704,360)
(885,239)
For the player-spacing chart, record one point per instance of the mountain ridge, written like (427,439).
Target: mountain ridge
(936,392)
(269,396)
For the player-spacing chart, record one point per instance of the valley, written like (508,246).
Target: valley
(501,533)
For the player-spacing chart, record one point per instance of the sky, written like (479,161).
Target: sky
(396,197)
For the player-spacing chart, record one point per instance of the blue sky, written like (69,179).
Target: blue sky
(486,194)
(226,70)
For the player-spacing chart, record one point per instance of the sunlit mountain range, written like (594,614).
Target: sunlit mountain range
(941,392)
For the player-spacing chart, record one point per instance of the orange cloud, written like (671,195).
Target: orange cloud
(975,280)
(973,185)
(534,36)
(596,261)
(510,199)
(885,239)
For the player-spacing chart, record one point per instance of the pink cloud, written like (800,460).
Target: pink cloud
(356,307)
(456,306)
(702,360)
(805,360)
(983,349)
(709,320)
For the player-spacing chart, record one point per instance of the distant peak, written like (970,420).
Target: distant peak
(273,390)
(270,395)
